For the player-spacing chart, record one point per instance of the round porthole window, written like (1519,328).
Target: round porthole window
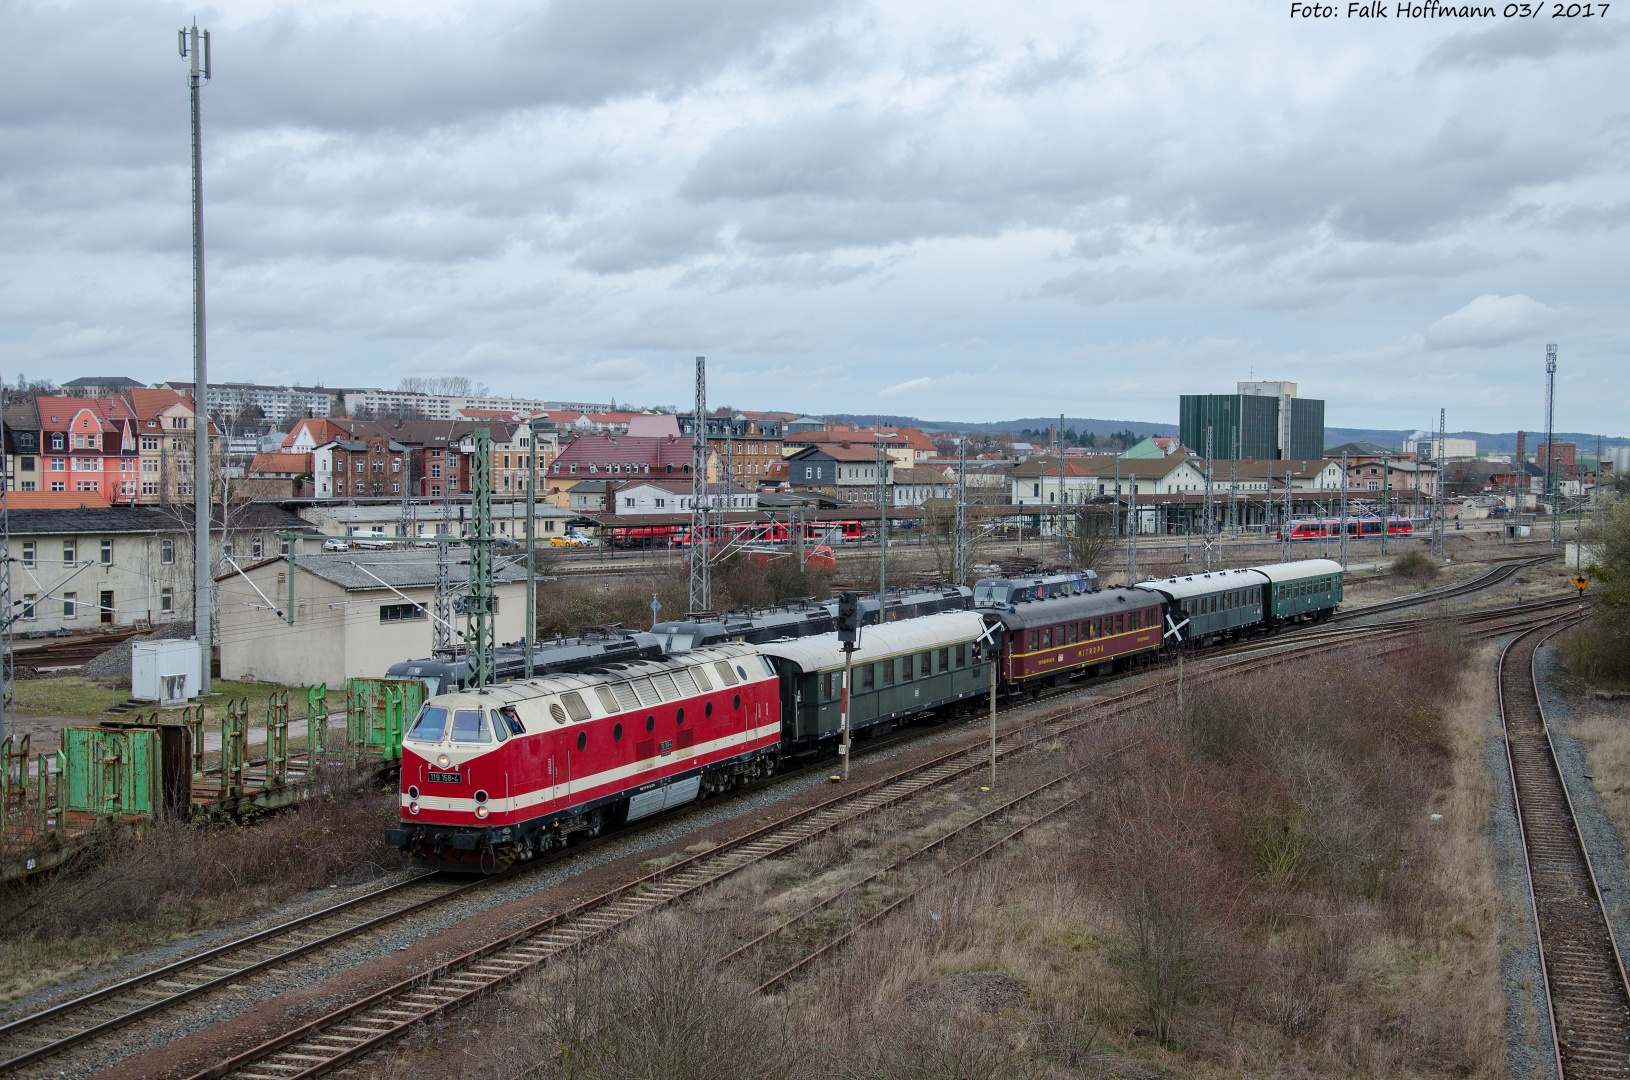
(582,740)
(650,723)
(707,710)
(679,718)
(740,672)
(617,733)
(736,703)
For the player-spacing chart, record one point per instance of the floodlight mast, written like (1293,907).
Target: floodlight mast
(195,49)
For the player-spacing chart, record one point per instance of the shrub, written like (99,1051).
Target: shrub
(1415,565)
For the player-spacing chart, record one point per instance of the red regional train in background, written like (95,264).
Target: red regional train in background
(1319,528)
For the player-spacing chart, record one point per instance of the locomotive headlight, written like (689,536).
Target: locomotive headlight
(482,812)
(442,761)
(413,807)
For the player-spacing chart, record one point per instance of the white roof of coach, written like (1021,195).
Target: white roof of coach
(1296,571)
(889,639)
(1180,588)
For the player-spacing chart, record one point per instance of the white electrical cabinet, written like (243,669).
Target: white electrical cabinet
(167,672)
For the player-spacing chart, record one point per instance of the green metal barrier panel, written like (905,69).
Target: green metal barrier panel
(378,712)
(113,772)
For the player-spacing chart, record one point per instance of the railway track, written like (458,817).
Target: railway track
(1494,575)
(1585,984)
(45,1043)
(348,1034)
(67,652)
(49,1034)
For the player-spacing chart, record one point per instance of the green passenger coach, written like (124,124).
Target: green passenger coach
(900,669)
(1302,591)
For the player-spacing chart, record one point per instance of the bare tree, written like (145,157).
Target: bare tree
(1088,535)
(443,386)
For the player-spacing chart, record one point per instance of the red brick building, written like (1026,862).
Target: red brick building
(1566,452)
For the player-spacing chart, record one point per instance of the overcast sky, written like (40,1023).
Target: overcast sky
(951,210)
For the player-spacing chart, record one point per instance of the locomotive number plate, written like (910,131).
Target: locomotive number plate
(444,778)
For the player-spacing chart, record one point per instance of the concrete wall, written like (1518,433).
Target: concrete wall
(336,635)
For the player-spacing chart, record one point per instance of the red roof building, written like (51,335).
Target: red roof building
(89,445)
(620,457)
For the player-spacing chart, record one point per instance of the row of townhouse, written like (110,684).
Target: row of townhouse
(126,449)
(342,458)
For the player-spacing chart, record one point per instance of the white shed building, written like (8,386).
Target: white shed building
(355,614)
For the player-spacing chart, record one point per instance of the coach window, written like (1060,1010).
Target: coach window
(926,664)
(945,660)
(868,677)
(1074,629)
(905,668)
(888,672)
(962,654)
(1035,641)
(1120,624)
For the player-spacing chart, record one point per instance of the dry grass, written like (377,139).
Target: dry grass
(1597,653)
(1256,889)
(122,892)
(1604,729)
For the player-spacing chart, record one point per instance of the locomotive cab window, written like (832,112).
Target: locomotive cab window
(470,726)
(512,720)
(431,725)
(499,728)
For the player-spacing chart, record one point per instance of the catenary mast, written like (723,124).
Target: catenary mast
(195,48)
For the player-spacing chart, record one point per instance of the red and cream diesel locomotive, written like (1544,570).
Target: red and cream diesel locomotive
(502,774)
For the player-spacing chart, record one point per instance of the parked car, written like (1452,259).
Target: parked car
(335,544)
(570,540)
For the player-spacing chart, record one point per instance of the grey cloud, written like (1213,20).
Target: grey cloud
(1515,39)
(361,73)
(659,234)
